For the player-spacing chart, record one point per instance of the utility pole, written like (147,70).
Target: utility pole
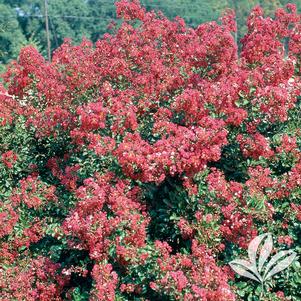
(47,31)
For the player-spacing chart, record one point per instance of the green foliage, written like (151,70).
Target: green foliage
(11,35)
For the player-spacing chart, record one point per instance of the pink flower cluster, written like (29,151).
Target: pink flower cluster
(154,153)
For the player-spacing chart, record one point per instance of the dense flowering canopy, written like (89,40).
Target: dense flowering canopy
(138,167)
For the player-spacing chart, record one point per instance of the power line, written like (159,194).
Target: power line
(156,6)
(43,16)
(151,5)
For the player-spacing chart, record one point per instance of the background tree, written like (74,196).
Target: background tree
(194,12)
(11,35)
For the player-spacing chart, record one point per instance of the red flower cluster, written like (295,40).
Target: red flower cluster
(105,209)
(36,279)
(33,193)
(191,277)
(9,158)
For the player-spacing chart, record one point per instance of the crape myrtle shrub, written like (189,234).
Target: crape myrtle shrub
(137,168)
